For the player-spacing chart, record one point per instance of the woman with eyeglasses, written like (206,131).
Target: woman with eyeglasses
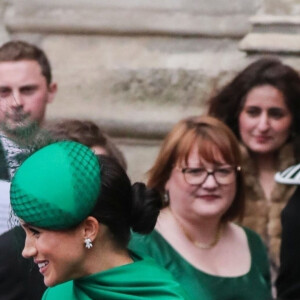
(198,172)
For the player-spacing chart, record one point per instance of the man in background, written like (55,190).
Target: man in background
(26,88)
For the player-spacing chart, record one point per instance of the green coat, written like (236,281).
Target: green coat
(200,285)
(143,279)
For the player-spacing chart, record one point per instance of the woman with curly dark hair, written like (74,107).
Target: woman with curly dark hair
(262,107)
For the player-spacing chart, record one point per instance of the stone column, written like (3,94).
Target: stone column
(4,36)
(275,29)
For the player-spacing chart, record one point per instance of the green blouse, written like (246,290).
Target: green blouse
(200,285)
(143,279)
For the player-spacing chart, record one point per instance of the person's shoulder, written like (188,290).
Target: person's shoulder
(155,246)
(253,239)
(12,240)
(249,232)
(147,268)
(257,247)
(153,236)
(60,291)
(258,250)
(144,243)
(252,235)
(246,235)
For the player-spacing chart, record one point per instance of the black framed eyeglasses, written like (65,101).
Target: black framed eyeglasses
(223,175)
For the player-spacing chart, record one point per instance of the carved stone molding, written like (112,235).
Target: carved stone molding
(273,34)
(181,18)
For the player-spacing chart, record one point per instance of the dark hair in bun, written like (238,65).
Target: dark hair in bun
(123,207)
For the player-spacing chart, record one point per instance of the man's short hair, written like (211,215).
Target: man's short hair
(20,50)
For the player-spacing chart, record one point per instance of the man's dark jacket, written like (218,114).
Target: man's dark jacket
(4,175)
(19,278)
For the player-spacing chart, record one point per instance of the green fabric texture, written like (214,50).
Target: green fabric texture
(143,279)
(203,286)
(57,186)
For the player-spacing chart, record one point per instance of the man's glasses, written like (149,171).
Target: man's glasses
(223,175)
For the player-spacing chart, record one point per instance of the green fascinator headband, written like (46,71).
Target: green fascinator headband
(56,187)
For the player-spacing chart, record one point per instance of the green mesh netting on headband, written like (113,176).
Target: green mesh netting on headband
(57,186)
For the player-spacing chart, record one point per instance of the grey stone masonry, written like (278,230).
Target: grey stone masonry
(4,35)
(281,7)
(136,67)
(170,17)
(273,34)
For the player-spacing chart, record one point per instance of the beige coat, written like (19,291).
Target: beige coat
(261,215)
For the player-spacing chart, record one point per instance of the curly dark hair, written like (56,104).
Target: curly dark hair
(228,103)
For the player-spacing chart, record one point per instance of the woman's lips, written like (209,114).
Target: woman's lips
(262,139)
(42,266)
(209,197)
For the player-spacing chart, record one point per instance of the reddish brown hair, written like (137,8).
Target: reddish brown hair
(209,134)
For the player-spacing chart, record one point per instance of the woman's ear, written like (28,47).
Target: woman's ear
(170,180)
(167,184)
(90,228)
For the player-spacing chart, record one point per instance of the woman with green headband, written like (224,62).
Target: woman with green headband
(77,211)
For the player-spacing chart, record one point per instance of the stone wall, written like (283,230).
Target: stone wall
(137,67)
(282,7)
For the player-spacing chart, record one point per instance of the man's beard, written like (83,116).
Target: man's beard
(22,132)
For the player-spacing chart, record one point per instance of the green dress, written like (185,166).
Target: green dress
(255,285)
(143,279)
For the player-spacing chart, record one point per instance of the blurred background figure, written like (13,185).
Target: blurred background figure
(4,206)
(287,284)
(26,89)
(262,107)
(87,133)
(198,170)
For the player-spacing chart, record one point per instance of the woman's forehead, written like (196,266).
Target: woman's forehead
(199,154)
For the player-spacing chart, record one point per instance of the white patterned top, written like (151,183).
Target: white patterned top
(13,154)
(289,176)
